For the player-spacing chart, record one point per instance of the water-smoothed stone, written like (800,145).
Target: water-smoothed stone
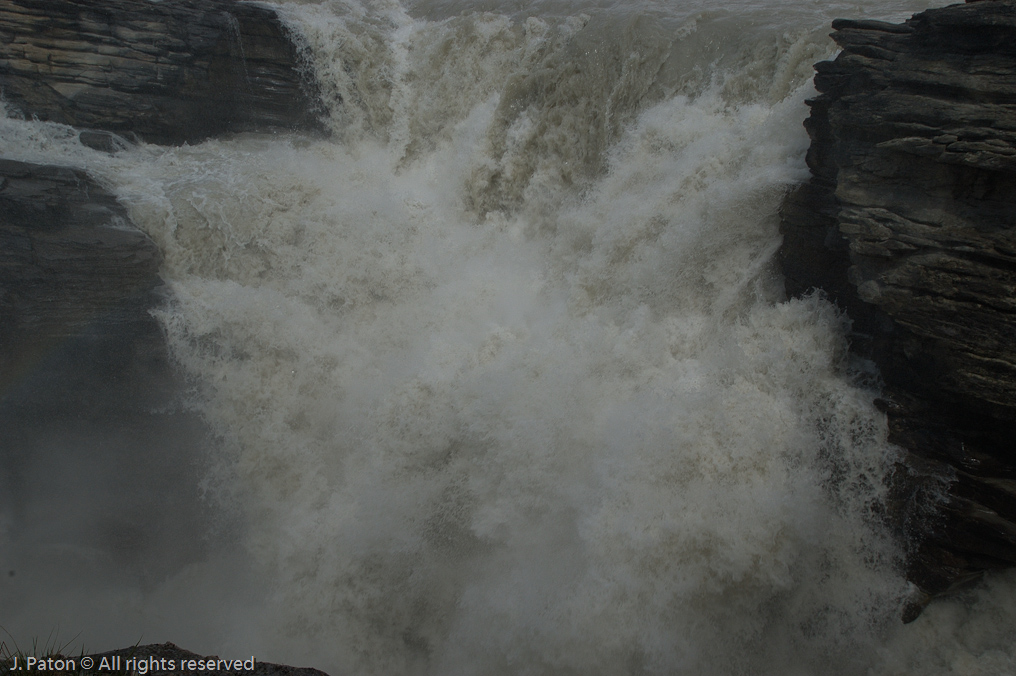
(170,72)
(106,141)
(909,223)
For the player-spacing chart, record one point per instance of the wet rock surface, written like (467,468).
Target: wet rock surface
(91,407)
(93,412)
(170,72)
(909,223)
(76,277)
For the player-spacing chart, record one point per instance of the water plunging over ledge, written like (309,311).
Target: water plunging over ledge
(502,375)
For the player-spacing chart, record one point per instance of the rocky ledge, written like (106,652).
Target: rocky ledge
(169,72)
(909,223)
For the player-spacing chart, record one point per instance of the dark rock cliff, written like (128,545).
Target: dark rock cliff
(93,422)
(169,72)
(72,266)
(909,223)
(90,414)
(91,419)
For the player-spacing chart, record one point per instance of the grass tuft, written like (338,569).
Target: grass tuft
(14,657)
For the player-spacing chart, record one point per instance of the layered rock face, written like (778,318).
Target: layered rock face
(101,457)
(91,421)
(73,271)
(169,72)
(77,283)
(909,222)
(72,265)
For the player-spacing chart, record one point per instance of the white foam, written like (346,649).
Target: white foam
(503,373)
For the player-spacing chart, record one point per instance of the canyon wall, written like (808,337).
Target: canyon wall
(94,423)
(909,223)
(81,356)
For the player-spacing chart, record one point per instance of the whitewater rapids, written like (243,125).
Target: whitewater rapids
(501,373)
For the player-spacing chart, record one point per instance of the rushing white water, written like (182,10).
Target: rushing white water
(502,372)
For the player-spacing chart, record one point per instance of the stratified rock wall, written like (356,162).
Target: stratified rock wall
(169,71)
(73,270)
(909,222)
(93,418)
(92,423)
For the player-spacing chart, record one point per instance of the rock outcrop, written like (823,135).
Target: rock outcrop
(91,419)
(169,72)
(73,271)
(909,223)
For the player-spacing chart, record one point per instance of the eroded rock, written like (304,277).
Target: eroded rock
(92,424)
(909,223)
(171,71)
(72,267)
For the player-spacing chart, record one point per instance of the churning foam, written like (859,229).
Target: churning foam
(502,374)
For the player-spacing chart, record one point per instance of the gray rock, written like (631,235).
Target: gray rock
(69,255)
(106,141)
(172,71)
(92,426)
(909,223)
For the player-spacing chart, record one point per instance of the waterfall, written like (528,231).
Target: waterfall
(502,375)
